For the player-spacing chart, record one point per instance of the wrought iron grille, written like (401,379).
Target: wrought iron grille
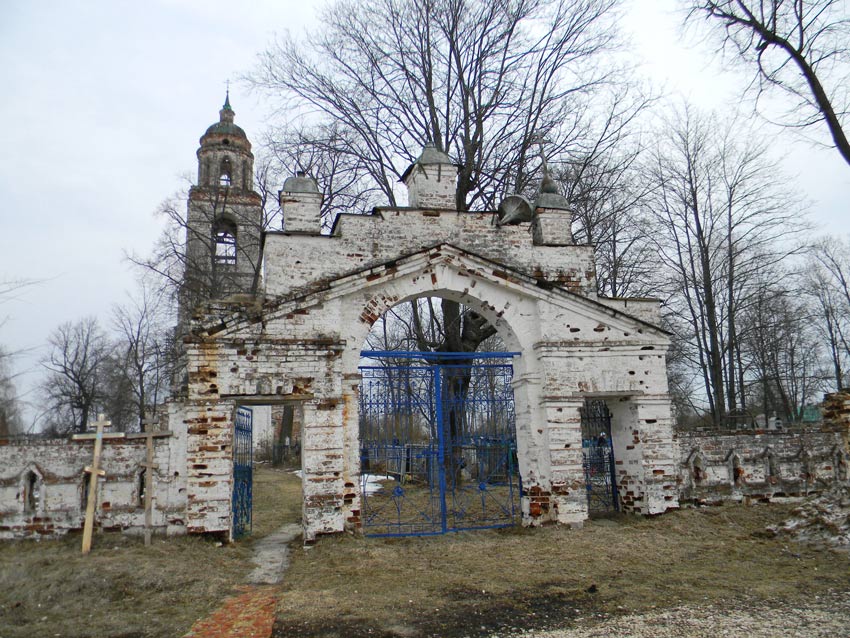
(437,443)
(598,457)
(243,473)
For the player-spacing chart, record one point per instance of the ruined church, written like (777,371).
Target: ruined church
(571,414)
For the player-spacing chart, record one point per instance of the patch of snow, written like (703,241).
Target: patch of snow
(369,483)
(373,483)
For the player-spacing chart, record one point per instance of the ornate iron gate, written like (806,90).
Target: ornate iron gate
(437,443)
(598,457)
(243,473)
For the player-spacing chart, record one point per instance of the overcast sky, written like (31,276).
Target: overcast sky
(102,104)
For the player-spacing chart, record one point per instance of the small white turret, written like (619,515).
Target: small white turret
(552,222)
(301,205)
(431,180)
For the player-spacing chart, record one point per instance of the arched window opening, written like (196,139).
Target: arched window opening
(140,485)
(32,492)
(225,243)
(84,496)
(698,471)
(771,467)
(737,471)
(225,173)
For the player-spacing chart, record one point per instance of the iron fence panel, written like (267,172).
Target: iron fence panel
(437,444)
(242,473)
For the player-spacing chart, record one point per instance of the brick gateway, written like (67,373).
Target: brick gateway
(290,334)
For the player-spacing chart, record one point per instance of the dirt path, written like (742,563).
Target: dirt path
(271,555)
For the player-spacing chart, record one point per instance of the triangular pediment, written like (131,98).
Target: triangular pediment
(428,263)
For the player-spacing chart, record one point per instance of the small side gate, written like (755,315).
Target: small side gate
(243,473)
(437,443)
(598,457)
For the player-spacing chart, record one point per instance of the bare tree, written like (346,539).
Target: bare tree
(482,80)
(143,352)
(75,368)
(169,261)
(10,409)
(722,221)
(607,195)
(781,349)
(799,47)
(329,155)
(826,280)
(11,421)
(486,82)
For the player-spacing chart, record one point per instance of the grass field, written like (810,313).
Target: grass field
(466,584)
(124,589)
(481,583)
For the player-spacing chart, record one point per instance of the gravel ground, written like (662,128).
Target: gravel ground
(824,617)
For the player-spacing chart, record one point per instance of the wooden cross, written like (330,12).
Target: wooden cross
(94,472)
(149,466)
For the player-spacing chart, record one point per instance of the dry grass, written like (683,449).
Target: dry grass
(277,499)
(468,584)
(477,583)
(124,589)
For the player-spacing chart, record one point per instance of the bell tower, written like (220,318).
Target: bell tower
(224,217)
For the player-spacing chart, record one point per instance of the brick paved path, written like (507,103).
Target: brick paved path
(248,615)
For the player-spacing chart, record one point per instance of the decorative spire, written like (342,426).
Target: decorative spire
(227,97)
(226,113)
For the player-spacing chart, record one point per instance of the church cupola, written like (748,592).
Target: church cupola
(225,158)
(431,180)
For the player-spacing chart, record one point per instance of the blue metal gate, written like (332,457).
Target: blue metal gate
(437,443)
(243,473)
(598,457)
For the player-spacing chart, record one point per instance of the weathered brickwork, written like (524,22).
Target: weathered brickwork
(360,242)
(58,505)
(223,218)
(306,347)
(836,410)
(431,181)
(761,464)
(300,343)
